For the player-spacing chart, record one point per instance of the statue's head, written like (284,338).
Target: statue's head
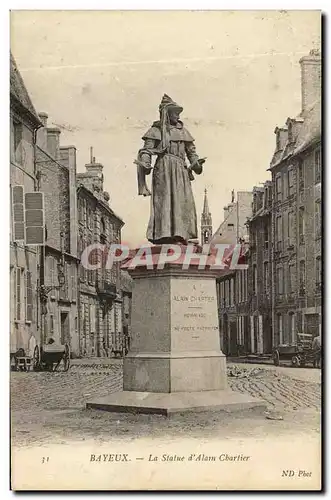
(172,109)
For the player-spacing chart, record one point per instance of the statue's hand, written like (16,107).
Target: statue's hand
(197,165)
(147,169)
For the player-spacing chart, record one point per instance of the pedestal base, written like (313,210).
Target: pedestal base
(175,402)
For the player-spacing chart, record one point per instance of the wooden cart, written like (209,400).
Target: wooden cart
(51,357)
(299,354)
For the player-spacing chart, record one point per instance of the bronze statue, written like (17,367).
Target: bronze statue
(173,216)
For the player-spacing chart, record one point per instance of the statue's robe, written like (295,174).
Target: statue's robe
(173,213)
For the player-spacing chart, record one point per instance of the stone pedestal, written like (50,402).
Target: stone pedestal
(175,363)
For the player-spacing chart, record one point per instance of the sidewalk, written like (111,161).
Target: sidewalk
(255,359)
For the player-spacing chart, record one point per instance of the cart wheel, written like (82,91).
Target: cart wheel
(275,357)
(66,358)
(295,361)
(36,358)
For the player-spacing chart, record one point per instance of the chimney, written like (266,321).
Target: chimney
(53,142)
(281,137)
(310,79)
(95,173)
(42,132)
(68,159)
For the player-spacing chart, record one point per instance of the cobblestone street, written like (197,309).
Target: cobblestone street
(53,406)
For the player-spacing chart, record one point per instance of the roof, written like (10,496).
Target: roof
(19,92)
(81,186)
(310,131)
(308,134)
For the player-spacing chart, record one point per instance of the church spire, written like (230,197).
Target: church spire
(205,211)
(206,222)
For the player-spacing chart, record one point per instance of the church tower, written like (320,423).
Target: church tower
(206,223)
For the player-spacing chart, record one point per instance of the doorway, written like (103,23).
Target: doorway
(65,333)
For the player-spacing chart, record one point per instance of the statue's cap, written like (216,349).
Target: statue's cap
(168,103)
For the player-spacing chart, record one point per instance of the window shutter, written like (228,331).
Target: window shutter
(29,300)
(73,283)
(34,218)
(18,294)
(18,212)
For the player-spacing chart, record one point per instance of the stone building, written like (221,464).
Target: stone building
(101,305)
(24,249)
(260,271)
(233,228)
(56,172)
(296,220)
(232,285)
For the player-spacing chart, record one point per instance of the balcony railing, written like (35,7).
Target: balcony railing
(106,289)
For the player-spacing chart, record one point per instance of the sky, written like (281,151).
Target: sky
(100,76)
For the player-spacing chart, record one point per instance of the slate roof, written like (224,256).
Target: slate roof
(19,92)
(309,134)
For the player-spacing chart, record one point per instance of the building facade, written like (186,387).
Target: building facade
(56,171)
(260,271)
(24,257)
(101,302)
(296,219)
(232,285)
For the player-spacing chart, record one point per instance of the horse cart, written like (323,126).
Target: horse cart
(299,354)
(51,357)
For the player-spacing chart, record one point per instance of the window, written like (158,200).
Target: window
(51,324)
(254,279)
(266,236)
(317,166)
(239,278)
(279,188)
(92,318)
(232,292)
(89,218)
(318,273)
(280,281)
(280,327)
(52,271)
(290,182)
(226,291)
(301,225)
(279,230)
(301,176)
(65,287)
(291,317)
(318,219)
(290,229)
(28,296)
(266,277)
(222,294)
(302,274)
(82,211)
(285,185)
(18,136)
(291,279)
(17,292)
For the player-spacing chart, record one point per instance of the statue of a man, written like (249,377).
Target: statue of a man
(173,216)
